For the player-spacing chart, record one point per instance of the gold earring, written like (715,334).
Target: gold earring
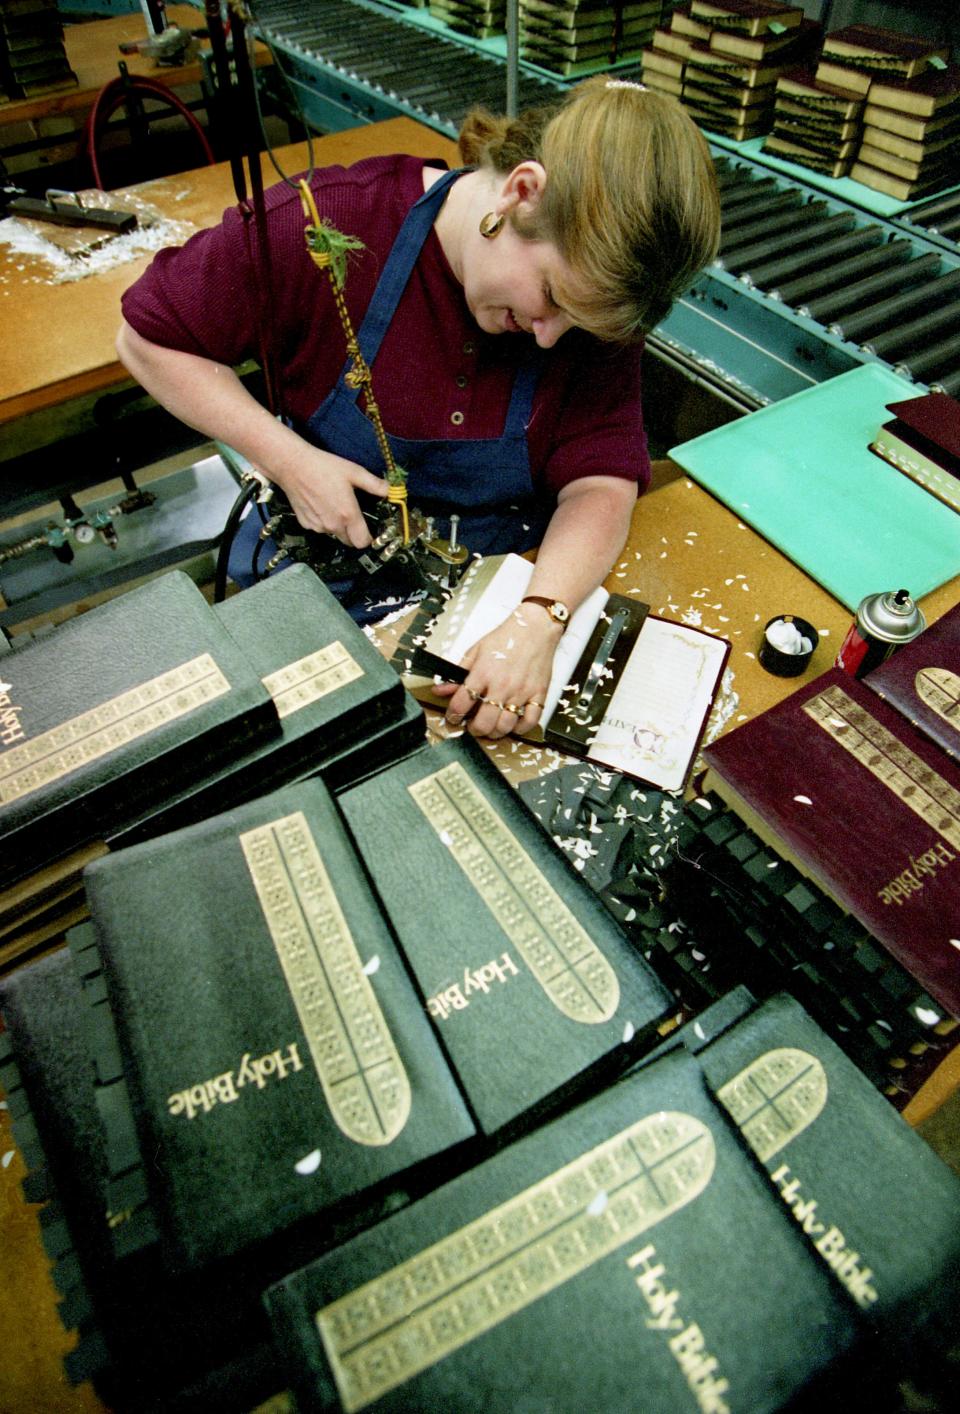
(491,225)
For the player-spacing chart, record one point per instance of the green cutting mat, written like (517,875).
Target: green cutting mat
(801,473)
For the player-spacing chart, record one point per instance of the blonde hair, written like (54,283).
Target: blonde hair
(631,198)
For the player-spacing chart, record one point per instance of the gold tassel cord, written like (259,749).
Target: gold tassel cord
(328,249)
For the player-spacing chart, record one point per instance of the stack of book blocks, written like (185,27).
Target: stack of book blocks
(479,19)
(722,58)
(816,124)
(904,93)
(33,59)
(911,126)
(577,37)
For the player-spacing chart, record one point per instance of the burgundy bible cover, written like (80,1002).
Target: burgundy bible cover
(938,86)
(868,807)
(922,680)
(871,40)
(934,422)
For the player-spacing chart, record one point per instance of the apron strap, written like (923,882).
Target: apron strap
(396,272)
(400,262)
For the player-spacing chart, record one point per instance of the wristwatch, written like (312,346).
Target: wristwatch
(557,610)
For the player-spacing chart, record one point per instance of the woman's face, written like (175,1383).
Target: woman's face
(517,286)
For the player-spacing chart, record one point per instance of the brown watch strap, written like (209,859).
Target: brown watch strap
(557,610)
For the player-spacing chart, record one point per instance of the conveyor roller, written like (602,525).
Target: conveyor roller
(939,217)
(401,66)
(875,292)
(873,318)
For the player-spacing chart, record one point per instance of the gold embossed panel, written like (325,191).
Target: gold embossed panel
(556,948)
(305,681)
(774,1098)
(363,1077)
(133,714)
(400,1323)
(901,770)
(940,690)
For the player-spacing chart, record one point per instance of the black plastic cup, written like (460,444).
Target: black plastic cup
(787,665)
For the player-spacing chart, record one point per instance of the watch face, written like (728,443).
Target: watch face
(560,612)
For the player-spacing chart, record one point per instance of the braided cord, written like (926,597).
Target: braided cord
(328,249)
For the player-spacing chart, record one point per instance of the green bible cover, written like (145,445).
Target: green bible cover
(117,708)
(532,986)
(276,1053)
(147,1340)
(329,682)
(880,1209)
(343,711)
(625,1256)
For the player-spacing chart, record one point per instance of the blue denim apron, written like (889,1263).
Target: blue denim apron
(486,481)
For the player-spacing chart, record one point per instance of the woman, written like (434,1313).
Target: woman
(502,309)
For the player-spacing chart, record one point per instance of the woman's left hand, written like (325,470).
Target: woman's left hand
(509,673)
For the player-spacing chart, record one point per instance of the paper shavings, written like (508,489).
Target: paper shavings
(308,1164)
(49,264)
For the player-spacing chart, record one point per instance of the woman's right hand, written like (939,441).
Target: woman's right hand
(321,489)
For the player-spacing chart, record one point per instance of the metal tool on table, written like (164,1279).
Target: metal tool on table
(598,667)
(167,44)
(65,208)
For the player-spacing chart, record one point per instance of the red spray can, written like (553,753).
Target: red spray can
(883,623)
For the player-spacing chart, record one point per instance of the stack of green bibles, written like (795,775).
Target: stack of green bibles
(625,1256)
(876,1206)
(753,1228)
(228,1072)
(535,992)
(739,1223)
(156,709)
(342,712)
(113,711)
(148,1340)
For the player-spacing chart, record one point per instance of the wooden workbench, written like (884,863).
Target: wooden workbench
(64,333)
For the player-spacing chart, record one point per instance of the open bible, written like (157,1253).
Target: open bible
(629,690)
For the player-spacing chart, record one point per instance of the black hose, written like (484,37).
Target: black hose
(226,540)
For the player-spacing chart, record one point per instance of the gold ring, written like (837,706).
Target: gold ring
(532,703)
(512,707)
(475,695)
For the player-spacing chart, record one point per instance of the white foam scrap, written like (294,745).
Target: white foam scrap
(787,638)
